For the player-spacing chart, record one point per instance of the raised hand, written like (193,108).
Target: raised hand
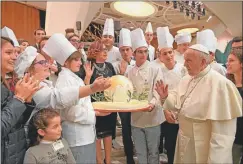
(88,69)
(100,84)
(123,67)
(161,89)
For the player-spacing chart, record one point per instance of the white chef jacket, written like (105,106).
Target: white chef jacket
(179,57)
(151,52)
(78,121)
(117,65)
(113,55)
(219,68)
(142,77)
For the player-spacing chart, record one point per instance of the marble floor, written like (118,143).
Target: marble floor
(118,155)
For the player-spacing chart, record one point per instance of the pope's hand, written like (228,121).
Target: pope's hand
(161,89)
(169,116)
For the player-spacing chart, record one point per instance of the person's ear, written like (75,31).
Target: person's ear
(41,132)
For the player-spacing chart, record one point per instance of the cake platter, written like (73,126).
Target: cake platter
(132,106)
(119,97)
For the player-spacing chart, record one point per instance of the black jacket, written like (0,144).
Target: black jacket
(14,115)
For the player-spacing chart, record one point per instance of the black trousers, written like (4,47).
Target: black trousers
(170,134)
(127,135)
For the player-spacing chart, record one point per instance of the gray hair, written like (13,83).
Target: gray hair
(205,56)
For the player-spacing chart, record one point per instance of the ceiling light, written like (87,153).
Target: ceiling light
(190,30)
(134,9)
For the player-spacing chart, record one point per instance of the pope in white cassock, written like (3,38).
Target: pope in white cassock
(149,38)
(183,41)
(108,40)
(208,105)
(173,72)
(208,39)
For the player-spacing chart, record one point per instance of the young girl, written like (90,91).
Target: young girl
(47,144)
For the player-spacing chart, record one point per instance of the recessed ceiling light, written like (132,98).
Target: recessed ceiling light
(190,30)
(134,9)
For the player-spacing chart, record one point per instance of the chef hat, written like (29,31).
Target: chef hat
(138,39)
(125,38)
(184,37)
(59,48)
(200,47)
(208,39)
(149,28)
(109,27)
(7,32)
(24,60)
(165,39)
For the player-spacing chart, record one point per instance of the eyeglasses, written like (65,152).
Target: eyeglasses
(43,62)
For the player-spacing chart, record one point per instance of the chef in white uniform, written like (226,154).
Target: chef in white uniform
(125,48)
(208,39)
(208,105)
(149,38)
(108,40)
(78,121)
(172,74)
(183,41)
(145,125)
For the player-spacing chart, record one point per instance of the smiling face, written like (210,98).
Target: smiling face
(9,56)
(108,40)
(40,67)
(38,35)
(166,56)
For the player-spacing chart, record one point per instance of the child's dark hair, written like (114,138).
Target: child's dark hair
(40,120)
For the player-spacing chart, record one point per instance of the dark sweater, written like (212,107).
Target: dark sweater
(239,130)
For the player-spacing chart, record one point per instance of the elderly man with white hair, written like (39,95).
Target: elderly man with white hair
(208,105)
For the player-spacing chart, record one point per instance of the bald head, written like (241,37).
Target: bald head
(195,61)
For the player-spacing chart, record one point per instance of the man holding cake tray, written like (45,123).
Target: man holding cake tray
(145,124)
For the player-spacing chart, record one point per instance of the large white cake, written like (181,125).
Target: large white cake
(119,96)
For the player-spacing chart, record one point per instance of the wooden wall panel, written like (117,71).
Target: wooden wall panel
(22,19)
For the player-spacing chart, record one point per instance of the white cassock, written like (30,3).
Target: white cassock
(144,78)
(117,65)
(78,121)
(219,68)
(208,105)
(113,55)
(179,57)
(151,52)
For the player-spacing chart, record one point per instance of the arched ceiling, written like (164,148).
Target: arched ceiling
(226,16)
